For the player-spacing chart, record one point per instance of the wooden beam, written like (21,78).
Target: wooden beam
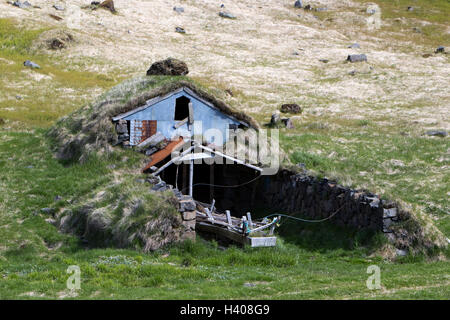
(229,157)
(230,222)
(249,219)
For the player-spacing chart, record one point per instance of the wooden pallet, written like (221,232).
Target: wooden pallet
(232,228)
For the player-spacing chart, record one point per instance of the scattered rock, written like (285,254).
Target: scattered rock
(168,67)
(295,53)
(178,9)
(440,49)
(58,7)
(18,97)
(321,9)
(227,15)
(308,7)
(401,253)
(354,46)
(22,5)
(410,9)
(291,108)
(287,123)
(275,118)
(436,133)
(180,30)
(357,58)
(371,10)
(417,30)
(108,4)
(324,60)
(31,64)
(298,4)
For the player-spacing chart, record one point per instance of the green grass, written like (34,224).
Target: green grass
(434,12)
(39,105)
(307,262)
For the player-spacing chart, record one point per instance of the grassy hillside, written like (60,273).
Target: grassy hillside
(365,129)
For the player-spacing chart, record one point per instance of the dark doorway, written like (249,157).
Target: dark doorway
(234,187)
(181,108)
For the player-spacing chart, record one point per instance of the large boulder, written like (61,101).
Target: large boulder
(168,67)
(290,108)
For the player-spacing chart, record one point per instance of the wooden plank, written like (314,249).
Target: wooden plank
(230,222)
(210,216)
(229,234)
(229,157)
(249,219)
(262,241)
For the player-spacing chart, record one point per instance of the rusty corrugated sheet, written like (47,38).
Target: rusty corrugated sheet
(163,153)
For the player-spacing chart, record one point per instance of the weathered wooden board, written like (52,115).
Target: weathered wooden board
(262,241)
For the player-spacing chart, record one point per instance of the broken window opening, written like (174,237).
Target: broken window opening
(181,108)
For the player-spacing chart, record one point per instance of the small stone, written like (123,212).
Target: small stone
(401,253)
(19,97)
(295,53)
(354,46)
(324,60)
(321,9)
(417,30)
(371,10)
(22,5)
(440,49)
(298,4)
(227,15)
(58,7)
(249,285)
(357,58)
(29,167)
(275,118)
(31,64)
(308,7)
(189,215)
(410,9)
(57,198)
(180,30)
(187,205)
(436,133)
(178,9)
(287,123)
(108,4)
